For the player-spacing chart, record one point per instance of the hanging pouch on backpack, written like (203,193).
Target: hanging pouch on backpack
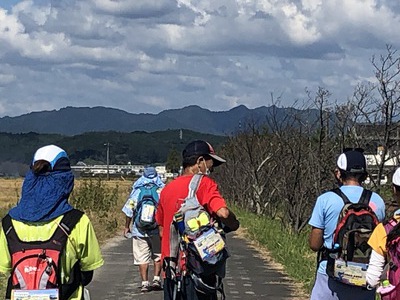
(208,244)
(347,261)
(350,273)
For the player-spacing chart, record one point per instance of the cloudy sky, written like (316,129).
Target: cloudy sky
(152,55)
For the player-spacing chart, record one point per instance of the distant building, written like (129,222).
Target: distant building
(82,169)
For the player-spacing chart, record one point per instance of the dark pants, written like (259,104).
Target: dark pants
(187,291)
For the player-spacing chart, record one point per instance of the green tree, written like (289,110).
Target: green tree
(173,161)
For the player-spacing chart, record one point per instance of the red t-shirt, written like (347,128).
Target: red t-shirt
(171,199)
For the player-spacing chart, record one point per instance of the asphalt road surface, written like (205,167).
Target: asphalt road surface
(249,275)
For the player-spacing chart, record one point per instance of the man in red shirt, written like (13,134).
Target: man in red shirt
(198,157)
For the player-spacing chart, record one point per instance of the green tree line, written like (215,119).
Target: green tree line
(136,147)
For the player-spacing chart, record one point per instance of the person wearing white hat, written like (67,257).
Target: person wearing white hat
(40,222)
(383,241)
(146,245)
(350,172)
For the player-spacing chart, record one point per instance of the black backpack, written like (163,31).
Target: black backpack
(349,258)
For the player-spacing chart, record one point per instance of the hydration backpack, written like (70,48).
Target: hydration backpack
(201,242)
(144,216)
(348,259)
(36,264)
(392,268)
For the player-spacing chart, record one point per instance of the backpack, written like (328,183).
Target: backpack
(201,242)
(392,268)
(144,216)
(349,258)
(36,264)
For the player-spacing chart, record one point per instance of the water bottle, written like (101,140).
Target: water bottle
(335,251)
(179,221)
(385,288)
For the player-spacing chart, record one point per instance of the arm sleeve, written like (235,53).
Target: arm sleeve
(317,216)
(378,206)
(375,268)
(90,254)
(209,195)
(377,240)
(5,258)
(130,204)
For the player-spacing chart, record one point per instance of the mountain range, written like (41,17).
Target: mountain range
(77,120)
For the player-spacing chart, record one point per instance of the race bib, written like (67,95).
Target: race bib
(50,294)
(147,213)
(350,272)
(209,243)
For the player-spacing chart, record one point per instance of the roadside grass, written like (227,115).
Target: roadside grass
(286,248)
(102,202)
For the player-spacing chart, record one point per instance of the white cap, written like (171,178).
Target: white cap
(396,177)
(50,153)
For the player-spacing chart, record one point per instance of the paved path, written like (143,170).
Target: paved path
(248,276)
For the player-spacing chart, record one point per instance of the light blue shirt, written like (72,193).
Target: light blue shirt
(327,210)
(131,203)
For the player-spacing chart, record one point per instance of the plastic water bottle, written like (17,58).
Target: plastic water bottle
(385,288)
(335,252)
(179,221)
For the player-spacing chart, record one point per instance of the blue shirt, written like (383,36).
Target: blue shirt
(328,207)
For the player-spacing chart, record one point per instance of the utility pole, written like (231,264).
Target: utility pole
(108,160)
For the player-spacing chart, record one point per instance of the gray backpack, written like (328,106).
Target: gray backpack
(199,236)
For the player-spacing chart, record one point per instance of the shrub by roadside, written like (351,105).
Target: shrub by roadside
(102,202)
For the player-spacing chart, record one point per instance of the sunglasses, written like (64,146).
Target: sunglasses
(194,224)
(361,150)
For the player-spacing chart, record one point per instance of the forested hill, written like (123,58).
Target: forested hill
(78,120)
(135,147)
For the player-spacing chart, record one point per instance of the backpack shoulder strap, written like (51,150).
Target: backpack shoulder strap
(390,225)
(365,197)
(68,222)
(10,233)
(7,225)
(194,184)
(70,219)
(339,192)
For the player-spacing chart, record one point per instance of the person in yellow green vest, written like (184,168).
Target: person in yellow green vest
(44,237)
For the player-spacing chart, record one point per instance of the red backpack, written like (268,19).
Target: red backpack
(36,265)
(393,263)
